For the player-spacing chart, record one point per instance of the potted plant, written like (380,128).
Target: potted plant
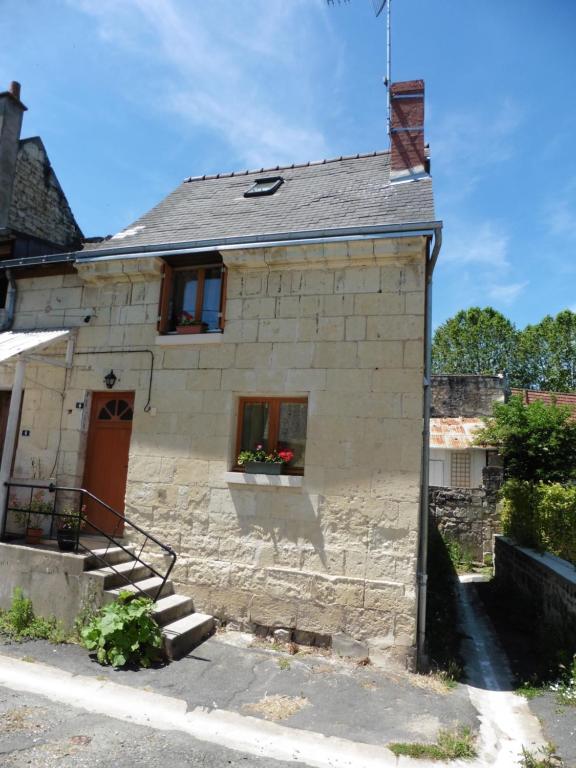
(32,517)
(185,323)
(70,525)
(260,461)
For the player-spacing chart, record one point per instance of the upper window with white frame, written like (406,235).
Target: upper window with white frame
(193,295)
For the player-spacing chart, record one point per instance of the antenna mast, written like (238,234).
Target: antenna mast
(379,6)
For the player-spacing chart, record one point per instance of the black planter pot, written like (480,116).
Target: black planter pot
(263,468)
(67,539)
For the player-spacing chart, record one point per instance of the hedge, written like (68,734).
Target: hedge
(541,516)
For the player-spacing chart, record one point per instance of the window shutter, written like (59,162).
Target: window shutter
(165,299)
(222,317)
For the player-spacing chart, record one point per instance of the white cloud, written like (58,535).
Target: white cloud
(561,215)
(507,293)
(218,60)
(466,144)
(484,244)
(475,256)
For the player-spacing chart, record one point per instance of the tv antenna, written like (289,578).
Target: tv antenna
(379,6)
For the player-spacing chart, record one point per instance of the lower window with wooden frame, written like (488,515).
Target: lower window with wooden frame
(276,424)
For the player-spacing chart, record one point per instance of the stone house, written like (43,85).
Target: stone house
(288,307)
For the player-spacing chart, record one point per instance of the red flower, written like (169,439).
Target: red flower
(286,455)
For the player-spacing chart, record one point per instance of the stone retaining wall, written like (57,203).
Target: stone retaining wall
(546,581)
(469,516)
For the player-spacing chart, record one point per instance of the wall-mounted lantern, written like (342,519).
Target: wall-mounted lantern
(110,379)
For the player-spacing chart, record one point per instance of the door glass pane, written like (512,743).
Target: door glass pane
(292,430)
(255,421)
(211,302)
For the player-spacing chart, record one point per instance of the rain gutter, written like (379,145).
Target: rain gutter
(422,567)
(304,237)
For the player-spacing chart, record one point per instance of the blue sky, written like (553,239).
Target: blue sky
(131,96)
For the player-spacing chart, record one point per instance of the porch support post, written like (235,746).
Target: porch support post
(11,436)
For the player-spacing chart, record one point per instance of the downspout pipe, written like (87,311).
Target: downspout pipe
(8,320)
(422,572)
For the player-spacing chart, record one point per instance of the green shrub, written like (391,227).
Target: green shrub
(19,622)
(542,516)
(124,632)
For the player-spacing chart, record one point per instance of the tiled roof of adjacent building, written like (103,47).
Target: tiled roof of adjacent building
(344,192)
(454,433)
(533,395)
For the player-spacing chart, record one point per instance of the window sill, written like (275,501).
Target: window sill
(187,339)
(278,481)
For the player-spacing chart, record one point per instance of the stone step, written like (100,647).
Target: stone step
(148,586)
(110,555)
(122,574)
(172,607)
(182,635)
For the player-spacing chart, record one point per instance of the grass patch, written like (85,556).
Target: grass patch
(19,623)
(284,664)
(545,757)
(530,691)
(450,745)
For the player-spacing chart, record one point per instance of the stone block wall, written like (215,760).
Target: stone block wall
(342,325)
(454,396)
(546,582)
(38,206)
(469,516)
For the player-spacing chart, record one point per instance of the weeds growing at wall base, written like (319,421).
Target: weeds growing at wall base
(19,622)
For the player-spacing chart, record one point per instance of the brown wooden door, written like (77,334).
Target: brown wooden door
(107,457)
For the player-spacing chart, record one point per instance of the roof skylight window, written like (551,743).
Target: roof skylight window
(266,186)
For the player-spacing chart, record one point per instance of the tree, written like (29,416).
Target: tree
(547,354)
(480,341)
(537,441)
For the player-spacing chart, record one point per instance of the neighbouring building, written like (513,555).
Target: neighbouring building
(460,404)
(287,307)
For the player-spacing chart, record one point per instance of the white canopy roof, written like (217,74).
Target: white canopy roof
(14,343)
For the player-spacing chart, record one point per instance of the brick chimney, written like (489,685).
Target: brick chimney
(11,112)
(407,156)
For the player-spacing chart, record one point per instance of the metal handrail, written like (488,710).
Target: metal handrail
(121,519)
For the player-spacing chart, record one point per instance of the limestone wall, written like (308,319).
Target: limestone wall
(461,395)
(469,516)
(342,325)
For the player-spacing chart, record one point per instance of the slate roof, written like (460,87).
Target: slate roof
(344,192)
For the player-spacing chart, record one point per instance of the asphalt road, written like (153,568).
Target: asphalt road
(38,733)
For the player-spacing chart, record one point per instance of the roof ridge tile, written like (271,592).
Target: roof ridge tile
(309,163)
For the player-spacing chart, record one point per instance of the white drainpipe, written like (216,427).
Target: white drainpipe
(11,436)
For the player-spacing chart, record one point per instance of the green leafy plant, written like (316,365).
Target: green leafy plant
(124,632)
(71,519)
(537,441)
(541,516)
(565,687)
(461,557)
(259,454)
(20,623)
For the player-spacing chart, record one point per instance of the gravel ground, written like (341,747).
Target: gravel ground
(558,724)
(38,733)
